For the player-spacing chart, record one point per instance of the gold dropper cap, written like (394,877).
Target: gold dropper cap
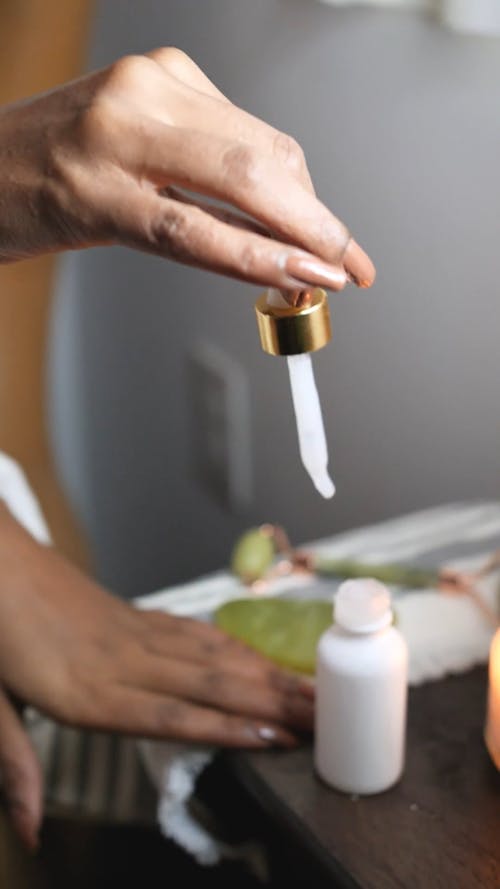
(289,330)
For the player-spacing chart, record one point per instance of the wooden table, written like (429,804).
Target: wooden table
(439,827)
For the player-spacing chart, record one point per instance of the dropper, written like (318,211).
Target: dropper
(309,419)
(295,332)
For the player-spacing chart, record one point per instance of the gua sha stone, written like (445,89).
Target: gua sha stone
(285,630)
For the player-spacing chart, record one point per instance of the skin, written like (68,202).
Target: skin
(105,159)
(132,155)
(87,659)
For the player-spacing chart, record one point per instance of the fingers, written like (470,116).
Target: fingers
(237,171)
(203,643)
(215,113)
(158,123)
(149,715)
(220,213)
(221,687)
(190,235)
(358,265)
(20,774)
(201,662)
(240,175)
(177,63)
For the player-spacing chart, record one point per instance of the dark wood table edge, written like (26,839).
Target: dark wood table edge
(285,820)
(462,726)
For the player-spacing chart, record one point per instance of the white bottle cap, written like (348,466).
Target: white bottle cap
(363,606)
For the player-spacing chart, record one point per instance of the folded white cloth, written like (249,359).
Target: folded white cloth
(174,770)
(444,633)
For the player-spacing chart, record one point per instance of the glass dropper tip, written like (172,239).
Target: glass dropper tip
(324,485)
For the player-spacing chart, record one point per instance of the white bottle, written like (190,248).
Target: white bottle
(361,691)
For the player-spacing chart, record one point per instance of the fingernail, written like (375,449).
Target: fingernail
(276,737)
(267,733)
(302,299)
(312,271)
(359,266)
(307,687)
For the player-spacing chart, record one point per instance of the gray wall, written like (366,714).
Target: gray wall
(400,121)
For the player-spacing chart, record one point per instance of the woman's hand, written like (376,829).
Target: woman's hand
(125,155)
(88,659)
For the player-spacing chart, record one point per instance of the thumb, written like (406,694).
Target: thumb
(20,775)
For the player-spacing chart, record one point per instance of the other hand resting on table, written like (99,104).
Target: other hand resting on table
(88,659)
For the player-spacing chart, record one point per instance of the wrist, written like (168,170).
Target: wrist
(21,184)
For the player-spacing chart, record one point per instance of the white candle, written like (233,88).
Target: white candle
(492,728)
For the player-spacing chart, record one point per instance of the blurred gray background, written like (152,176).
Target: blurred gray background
(400,122)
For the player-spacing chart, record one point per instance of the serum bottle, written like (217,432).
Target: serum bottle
(361,692)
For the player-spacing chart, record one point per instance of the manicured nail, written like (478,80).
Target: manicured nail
(302,298)
(358,264)
(267,733)
(307,687)
(274,737)
(312,271)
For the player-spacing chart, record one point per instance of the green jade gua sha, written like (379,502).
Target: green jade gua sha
(287,630)
(254,555)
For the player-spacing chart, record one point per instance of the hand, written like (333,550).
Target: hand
(88,659)
(118,156)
